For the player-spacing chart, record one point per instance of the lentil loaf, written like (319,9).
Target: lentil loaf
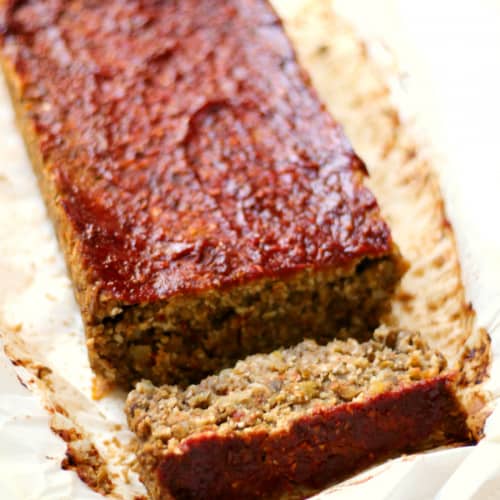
(294,419)
(208,205)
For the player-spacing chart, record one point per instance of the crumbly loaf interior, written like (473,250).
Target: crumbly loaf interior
(270,391)
(190,337)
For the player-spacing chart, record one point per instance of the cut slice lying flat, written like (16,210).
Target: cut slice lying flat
(296,418)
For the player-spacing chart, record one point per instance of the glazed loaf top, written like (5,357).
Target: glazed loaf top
(187,148)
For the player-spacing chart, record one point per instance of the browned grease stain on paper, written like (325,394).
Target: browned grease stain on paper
(82,456)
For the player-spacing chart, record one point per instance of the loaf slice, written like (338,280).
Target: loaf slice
(296,418)
(208,205)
